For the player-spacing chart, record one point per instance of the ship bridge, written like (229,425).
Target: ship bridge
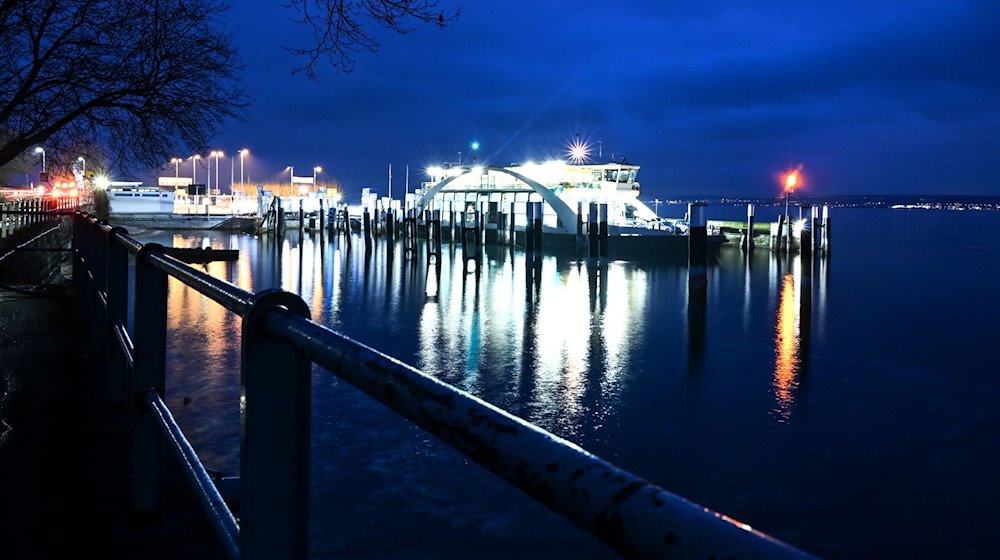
(562,187)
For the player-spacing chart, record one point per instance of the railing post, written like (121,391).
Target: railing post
(98,265)
(117,291)
(274,458)
(76,244)
(149,373)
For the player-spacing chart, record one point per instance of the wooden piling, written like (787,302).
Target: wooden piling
(536,225)
(513,221)
(592,231)
(367,226)
(602,229)
(748,240)
(826,229)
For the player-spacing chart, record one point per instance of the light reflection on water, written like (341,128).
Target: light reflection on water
(621,359)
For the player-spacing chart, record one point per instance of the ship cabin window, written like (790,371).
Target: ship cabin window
(596,176)
(619,175)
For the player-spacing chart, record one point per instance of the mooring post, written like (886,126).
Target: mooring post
(275,435)
(602,228)
(592,230)
(697,247)
(537,225)
(368,230)
(781,239)
(826,230)
(513,222)
(529,227)
(748,241)
(806,239)
(149,373)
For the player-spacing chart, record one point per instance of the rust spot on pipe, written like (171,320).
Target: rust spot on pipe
(626,492)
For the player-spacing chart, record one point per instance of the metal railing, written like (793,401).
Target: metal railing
(633,516)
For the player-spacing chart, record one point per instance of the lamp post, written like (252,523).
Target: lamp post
(243,154)
(475,150)
(41,150)
(217,153)
(194,168)
(177,168)
(83,172)
(316,170)
(791,179)
(291,177)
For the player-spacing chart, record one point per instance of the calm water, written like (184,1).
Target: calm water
(855,419)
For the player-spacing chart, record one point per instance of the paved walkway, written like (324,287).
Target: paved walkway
(64,454)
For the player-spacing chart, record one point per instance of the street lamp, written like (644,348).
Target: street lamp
(41,150)
(217,153)
(177,170)
(194,168)
(475,150)
(243,153)
(316,170)
(791,179)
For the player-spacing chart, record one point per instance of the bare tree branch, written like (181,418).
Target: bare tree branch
(146,79)
(338,30)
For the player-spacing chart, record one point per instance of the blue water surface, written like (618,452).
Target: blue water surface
(850,409)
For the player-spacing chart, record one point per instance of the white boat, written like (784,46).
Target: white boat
(128,198)
(567,188)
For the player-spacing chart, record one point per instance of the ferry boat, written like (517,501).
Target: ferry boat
(567,189)
(132,197)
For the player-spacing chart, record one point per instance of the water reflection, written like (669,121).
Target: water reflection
(792,337)
(555,340)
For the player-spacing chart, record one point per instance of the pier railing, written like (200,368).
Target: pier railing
(279,345)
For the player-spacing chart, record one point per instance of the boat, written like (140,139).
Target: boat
(134,204)
(132,197)
(571,192)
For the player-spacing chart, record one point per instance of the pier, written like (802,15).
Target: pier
(629,514)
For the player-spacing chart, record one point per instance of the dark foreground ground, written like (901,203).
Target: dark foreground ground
(64,454)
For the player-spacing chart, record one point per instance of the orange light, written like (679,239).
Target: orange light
(791,180)
(74,193)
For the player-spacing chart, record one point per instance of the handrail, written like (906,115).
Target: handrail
(634,516)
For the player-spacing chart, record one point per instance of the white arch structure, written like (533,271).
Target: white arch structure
(565,214)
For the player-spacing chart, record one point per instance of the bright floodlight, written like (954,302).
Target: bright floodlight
(474,145)
(578,151)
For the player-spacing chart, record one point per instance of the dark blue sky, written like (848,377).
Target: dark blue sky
(711,98)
